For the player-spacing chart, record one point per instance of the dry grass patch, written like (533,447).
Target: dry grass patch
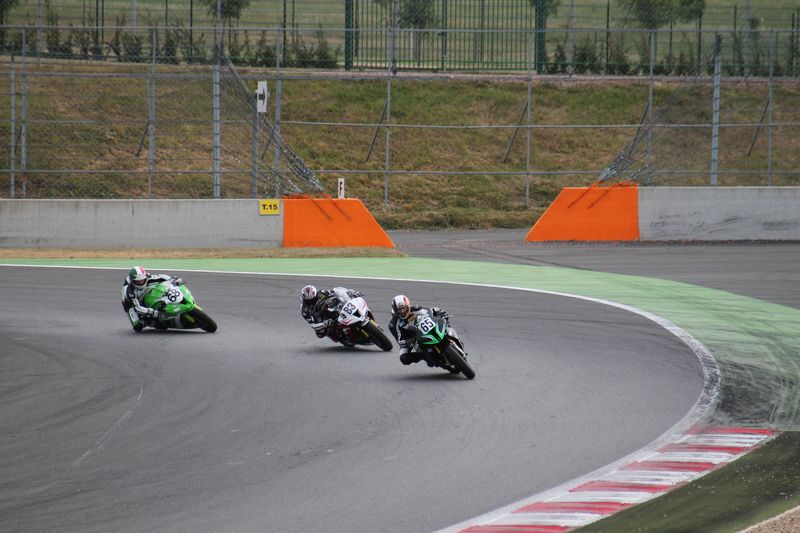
(196,253)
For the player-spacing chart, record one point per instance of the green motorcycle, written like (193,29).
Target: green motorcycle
(176,309)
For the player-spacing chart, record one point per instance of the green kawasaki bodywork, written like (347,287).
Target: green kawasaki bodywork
(169,298)
(434,335)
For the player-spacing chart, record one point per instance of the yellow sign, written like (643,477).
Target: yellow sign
(269,207)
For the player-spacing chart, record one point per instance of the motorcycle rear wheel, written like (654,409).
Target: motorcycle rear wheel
(454,355)
(205,322)
(378,336)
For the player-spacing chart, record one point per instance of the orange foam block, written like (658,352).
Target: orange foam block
(590,214)
(331,223)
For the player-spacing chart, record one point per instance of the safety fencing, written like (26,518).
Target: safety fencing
(151,128)
(453,34)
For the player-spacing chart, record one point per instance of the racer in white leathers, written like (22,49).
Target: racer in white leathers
(321,308)
(136,285)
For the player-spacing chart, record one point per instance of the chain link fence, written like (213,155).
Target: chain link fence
(150,128)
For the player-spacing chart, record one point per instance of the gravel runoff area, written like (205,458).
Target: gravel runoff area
(788,522)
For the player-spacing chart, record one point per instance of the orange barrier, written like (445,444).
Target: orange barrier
(330,223)
(590,214)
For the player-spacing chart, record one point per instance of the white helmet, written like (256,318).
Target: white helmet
(309,294)
(401,305)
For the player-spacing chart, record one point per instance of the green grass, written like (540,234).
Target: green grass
(330,13)
(470,197)
(754,488)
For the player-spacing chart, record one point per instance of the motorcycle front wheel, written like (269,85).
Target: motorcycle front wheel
(205,322)
(378,336)
(453,354)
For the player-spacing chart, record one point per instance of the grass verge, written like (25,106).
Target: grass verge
(753,488)
(195,253)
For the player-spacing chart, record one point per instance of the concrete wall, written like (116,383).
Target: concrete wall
(137,224)
(719,213)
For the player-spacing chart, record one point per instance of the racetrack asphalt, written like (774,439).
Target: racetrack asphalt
(262,427)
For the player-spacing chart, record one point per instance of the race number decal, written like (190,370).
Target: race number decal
(174,295)
(350,308)
(425,325)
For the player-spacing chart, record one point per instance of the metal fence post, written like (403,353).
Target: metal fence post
(772,53)
(38,28)
(254,154)
(570,39)
(151,118)
(216,103)
(23,134)
(530,122)
(715,112)
(650,100)
(392,69)
(349,26)
(276,162)
(746,38)
(13,147)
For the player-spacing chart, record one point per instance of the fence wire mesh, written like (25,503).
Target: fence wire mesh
(129,129)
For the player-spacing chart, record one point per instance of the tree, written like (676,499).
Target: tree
(416,14)
(5,8)
(549,7)
(653,14)
(229,9)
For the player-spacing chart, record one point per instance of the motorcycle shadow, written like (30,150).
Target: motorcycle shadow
(153,331)
(429,377)
(342,350)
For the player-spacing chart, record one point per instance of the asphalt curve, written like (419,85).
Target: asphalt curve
(263,427)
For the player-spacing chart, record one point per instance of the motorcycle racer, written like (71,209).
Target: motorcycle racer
(402,327)
(321,307)
(136,285)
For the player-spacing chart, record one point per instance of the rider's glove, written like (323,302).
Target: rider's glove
(320,328)
(439,312)
(177,281)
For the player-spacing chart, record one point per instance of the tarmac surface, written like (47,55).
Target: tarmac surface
(263,427)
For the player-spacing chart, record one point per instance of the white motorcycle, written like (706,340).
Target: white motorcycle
(355,325)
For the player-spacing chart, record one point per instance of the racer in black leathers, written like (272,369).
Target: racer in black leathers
(402,327)
(137,283)
(321,308)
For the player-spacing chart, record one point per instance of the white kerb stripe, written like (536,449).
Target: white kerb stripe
(547,519)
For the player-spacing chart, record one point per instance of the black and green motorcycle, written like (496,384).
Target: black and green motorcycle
(441,345)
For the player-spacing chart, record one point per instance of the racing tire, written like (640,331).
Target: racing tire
(205,322)
(378,336)
(454,355)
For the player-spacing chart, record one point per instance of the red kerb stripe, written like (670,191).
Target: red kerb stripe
(517,529)
(616,486)
(575,507)
(670,466)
